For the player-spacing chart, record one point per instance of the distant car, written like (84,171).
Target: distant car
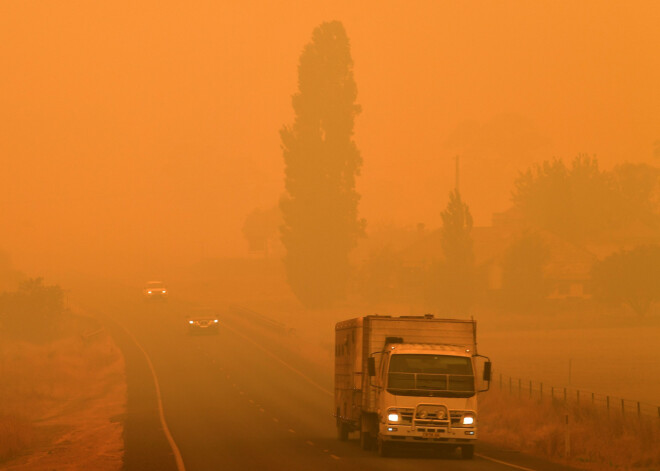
(203,323)
(155,290)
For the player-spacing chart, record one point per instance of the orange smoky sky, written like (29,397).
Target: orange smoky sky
(132,132)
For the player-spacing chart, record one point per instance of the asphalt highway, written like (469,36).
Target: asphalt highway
(239,401)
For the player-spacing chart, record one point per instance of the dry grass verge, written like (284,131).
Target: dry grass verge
(596,441)
(60,404)
(16,434)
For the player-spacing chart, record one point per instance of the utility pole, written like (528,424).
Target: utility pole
(457,173)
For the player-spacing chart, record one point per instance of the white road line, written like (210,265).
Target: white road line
(262,410)
(334,457)
(511,465)
(295,370)
(292,431)
(275,419)
(175,449)
(310,443)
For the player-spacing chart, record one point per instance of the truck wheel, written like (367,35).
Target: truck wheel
(342,431)
(384,448)
(467,452)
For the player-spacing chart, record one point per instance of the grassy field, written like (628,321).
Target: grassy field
(61,404)
(581,436)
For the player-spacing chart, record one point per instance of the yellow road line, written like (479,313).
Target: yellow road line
(175,449)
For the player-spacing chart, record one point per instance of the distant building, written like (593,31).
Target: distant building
(567,271)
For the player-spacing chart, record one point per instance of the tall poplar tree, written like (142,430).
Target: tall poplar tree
(319,208)
(453,282)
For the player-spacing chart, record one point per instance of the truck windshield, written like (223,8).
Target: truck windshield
(430,375)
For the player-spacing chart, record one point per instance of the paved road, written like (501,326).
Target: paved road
(231,404)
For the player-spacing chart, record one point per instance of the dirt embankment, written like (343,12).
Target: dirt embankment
(63,404)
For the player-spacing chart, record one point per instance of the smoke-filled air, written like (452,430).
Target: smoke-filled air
(369,235)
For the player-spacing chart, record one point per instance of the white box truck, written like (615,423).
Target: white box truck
(409,380)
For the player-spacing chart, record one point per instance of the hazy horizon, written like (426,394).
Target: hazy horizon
(148,132)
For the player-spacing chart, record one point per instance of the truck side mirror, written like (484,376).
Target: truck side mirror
(487,371)
(371,366)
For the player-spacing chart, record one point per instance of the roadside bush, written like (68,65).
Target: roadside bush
(15,435)
(33,312)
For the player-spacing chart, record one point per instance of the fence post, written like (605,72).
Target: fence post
(541,396)
(530,388)
(607,399)
(623,408)
(564,394)
(578,397)
(510,381)
(519,386)
(500,381)
(567,442)
(552,392)
(593,398)
(639,409)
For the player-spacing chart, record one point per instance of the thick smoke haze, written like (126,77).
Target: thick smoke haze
(137,134)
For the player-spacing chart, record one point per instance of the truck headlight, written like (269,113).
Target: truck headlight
(393,416)
(468,419)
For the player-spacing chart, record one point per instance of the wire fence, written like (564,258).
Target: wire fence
(578,397)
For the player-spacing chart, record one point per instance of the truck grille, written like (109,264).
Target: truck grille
(434,416)
(431,415)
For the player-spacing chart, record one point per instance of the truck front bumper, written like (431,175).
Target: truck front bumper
(430,435)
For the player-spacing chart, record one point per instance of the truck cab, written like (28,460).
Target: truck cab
(426,393)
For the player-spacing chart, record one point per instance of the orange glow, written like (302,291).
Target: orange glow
(144,134)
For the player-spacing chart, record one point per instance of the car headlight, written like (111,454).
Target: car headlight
(393,416)
(468,419)
(149,292)
(191,322)
(164,291)
(215,320)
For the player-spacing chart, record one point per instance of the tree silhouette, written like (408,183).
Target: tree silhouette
(629,277)
(574,202)
(453,280)
(639,189)
(319,208)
